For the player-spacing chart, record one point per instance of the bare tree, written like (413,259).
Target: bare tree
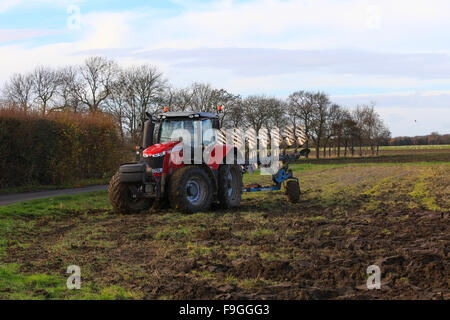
(368,123)
(338,126)
(295,100)
(117,103)
(178,99)
(235,114)
(45,85)
(147,85)
(360,117)
(93,84)
(376,130)
(351,134)
(330,126)
(19,90)
(66,90)
(319,119)
(202,97)
(383,135)
(143,88)
(301,110)
(256,111)
(221,97)
(277,115)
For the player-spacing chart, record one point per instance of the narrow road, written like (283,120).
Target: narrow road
(21,197)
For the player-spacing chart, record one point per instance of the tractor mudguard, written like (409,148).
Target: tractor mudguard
(132,173)
(214,175)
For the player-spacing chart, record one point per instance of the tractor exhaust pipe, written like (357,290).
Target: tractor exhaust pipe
(149,128)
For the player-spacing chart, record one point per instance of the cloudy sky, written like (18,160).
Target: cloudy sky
(393,53)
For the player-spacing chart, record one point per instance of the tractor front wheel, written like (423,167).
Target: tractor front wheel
(292,191)
(190,190)
(122,198)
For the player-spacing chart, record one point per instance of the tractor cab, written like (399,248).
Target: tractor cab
(172,132)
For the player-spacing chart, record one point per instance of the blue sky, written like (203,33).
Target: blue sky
(393,53)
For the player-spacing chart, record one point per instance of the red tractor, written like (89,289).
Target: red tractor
(159,176)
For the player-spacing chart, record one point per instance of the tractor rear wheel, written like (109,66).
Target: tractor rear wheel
(292,191)
(230,186)
(190,189)
(122,198)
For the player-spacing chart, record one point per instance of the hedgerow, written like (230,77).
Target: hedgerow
(57,148)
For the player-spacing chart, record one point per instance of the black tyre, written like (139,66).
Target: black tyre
(122,199)
(293,191)
(190,190)
(230,186)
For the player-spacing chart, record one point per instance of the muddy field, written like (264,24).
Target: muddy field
(350,217)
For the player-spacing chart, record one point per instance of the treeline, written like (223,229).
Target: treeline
(432,139)
(100,84)
(57,148)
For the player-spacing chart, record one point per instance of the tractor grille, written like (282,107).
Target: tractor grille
(155,163)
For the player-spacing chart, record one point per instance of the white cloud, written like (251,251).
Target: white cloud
(100,30)
(9,35)
(105,30)
(263,61)
(420,99)
(5,5)
(299,24)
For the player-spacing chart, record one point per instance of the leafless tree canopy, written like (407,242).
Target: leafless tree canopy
(45,85)
(100,84)
(19,90)
(67,97)
(94,80)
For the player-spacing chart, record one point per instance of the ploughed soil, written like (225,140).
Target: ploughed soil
(348,219)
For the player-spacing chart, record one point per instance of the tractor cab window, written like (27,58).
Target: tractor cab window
(208,134)
(186,129)
(174,129)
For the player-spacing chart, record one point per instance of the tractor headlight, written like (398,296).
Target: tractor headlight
(161,154)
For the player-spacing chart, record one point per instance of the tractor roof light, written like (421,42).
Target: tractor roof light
(220,109)
(166,109)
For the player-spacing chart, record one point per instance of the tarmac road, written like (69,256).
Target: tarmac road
(21,197)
